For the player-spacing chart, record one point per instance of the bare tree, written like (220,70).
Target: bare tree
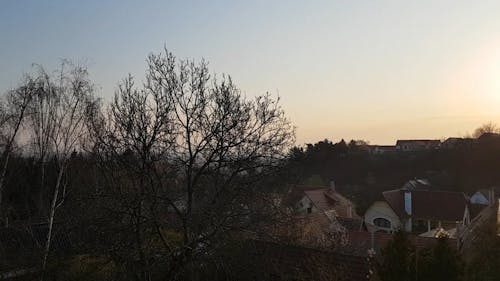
(186,156)
(58,126)
(489,127)
(12,113)
(41,125)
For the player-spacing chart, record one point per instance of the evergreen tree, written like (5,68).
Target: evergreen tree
(397,263)
(442,262)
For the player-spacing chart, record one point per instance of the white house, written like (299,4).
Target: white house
(418,211)
(380,216)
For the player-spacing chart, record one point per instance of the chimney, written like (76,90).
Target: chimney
(408,203)
(332,185)
(349,211)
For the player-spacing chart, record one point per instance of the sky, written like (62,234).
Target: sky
(372,70)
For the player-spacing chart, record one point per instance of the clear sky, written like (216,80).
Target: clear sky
(372,70)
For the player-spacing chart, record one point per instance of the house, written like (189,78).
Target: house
(326,199)
(418,211)
(416,145)
(483,197)
(454,143)
(381,149)
(381,217)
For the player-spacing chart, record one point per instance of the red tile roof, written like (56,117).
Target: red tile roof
(326,199)
(319,199)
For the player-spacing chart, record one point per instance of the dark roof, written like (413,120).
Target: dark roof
(382,147)
(457,141)
(436,205)
(319,199)
(351,224)
(416,184)
(296,192)
(418,142)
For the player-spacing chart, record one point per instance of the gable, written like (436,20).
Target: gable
(479,198)
(381,209)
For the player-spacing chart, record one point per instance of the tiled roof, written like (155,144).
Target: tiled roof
(351,224)
(434,205)
(296,192)
(319,199)
(417,184)
(326,199)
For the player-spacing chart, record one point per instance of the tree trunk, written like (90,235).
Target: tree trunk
(52,213)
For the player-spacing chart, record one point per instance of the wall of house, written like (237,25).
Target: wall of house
(304,204)
(381,209)
(478,198)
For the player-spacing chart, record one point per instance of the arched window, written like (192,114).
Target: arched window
(381,222)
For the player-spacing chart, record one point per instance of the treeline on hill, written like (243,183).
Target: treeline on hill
(149,186)
(363,176)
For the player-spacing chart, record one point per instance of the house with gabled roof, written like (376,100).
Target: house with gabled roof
(326,199)
(418,209)
(381,149)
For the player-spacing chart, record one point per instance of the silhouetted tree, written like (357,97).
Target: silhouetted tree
(198,152)
(12,113)
(58,127)
(397,263)
(440,263)
(486,128)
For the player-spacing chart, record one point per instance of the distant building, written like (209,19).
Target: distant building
(454,143)
(381,149)
(417,145)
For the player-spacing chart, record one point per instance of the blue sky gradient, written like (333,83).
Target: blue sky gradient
(373,70)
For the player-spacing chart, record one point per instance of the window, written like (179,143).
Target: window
(381,222)
(309,210)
